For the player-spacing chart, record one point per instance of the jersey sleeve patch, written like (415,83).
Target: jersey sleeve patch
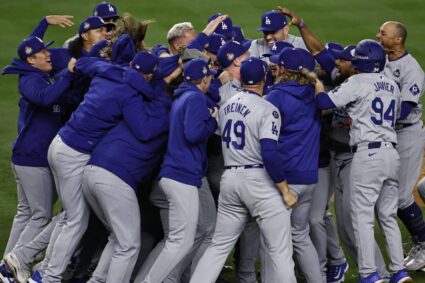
(414,89)
(275,114)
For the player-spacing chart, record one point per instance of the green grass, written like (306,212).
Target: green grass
(346,22)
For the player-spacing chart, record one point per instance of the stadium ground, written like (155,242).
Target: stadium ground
(346,22)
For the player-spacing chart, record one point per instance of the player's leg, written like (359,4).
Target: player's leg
(304,250)
(318,231)
(246,252)
(22,216)
(386,207)
(67,166)
(410,147)
(366,188)
(231,218)
(265,205)
(204,232)
(41,194)
(182,220)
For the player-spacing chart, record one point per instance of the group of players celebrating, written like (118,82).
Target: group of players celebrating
(164,159)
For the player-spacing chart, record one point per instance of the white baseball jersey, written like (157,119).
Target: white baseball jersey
(228,90)
(372,102)
(259,46)
(243,121)
(409,76)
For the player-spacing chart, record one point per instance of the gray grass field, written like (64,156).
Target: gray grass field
(346,22)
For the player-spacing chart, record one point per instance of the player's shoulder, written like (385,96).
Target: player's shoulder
(405,64)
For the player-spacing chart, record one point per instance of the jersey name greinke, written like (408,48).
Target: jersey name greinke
(244,120)
(372,102)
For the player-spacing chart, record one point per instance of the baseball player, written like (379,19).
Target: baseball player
(109,14)
(183,167)
(371,100)
(293,95)
(409,76)
(275,28)
(249,127)
(40,117)
(118,91)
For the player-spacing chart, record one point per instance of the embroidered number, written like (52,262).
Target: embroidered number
(239,134)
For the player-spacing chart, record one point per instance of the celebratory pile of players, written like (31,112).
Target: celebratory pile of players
(164,159)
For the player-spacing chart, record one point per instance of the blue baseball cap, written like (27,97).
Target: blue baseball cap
(289,58)
(196,69)
(238,35)
(93,22)
(215,41)
(144,62)
(106,10)
(332,46)
(309,62)
(225,28)
(253,70)
(272,21)
(277,47)
(30,46)
(346,54)
(166,65)
(229,52)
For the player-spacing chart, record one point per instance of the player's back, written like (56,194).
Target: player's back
(374,109)
(240,123)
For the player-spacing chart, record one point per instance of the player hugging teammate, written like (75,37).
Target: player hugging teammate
(166,159)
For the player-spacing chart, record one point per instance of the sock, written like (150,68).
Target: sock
(412,218)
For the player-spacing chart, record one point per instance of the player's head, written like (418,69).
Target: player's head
(107,11)
(274,26)
(253,73)
(145,63)
(225,28)
(180,34)
(34,51)
(92,30)
(343,61)
(392,35)
(215,41)
(196,71)
(238,35)
(275,50)
(369,56)
(231,55)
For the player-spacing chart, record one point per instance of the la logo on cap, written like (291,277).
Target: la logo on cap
(223,25)
(86,25)
(111,9)
(222,41)
(274,47)
(28,50)
(268,22)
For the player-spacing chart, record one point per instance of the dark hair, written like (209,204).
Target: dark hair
(75,47)
(401,31)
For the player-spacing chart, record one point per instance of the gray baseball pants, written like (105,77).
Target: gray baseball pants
(180,223)
(245,192)
(374,182)
(36,196)
(67,166)
(116,205)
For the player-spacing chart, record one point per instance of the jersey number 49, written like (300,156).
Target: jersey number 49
(238,130)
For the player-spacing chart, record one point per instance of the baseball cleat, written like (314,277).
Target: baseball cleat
(373,278)
(412,253)
(418,262)
(35,278)
(6,279)
(336,273)
(20,273)
(401,277)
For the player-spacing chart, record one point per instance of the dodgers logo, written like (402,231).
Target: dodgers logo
(414,89)
(268,22)
(223,26)
(111,9)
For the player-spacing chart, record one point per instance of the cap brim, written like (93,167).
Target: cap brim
(266,29)
(110,17)
(340,54)
(274,59)
(212,72)
(48,44)
(246,45)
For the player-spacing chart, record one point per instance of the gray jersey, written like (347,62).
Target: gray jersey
(409,76)
(244,120)
(340,126)
(228,90)
(371,100)
(260,47)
